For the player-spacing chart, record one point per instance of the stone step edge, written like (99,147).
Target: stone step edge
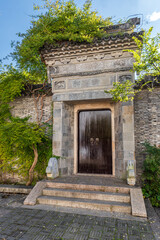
(89,187)
(15,189)
(137,203)
(95,205)
(70,193)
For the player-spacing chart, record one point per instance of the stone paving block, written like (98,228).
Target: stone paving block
(81,236)
(57,233)
(109,229)
(108,234)
(8,238)
(121,225)
(95,234)
(133,231)
(144,227)
(121,236)
(72,230)
(134,237)
(42,237)
(27,237)
(147,236)
(69,236)
(34,230)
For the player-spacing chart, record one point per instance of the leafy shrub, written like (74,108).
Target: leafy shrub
(151,174)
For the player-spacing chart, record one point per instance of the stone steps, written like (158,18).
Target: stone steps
(84,194)
(85,203)
(87,187)
(96,197)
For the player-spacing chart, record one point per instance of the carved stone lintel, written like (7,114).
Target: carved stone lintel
(59,85)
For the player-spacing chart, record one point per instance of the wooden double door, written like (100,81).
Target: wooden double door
(95,142)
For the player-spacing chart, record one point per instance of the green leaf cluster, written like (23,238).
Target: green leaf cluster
(122,92)
(147,55)
(62,21)
(151,174)
(17,138)
(147,63)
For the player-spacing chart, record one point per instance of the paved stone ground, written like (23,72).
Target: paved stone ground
(157,210)
(27,224)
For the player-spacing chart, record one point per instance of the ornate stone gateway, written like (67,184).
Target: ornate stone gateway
(91,133)
(94,142)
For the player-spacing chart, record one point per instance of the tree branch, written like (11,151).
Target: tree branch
(45,121)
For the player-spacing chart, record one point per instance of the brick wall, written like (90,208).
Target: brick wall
(147,123)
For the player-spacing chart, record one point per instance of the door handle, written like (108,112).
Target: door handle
(97,141)
(94,141)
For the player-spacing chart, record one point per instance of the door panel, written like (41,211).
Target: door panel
(95,142)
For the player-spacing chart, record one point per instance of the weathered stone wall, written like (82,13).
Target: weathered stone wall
(24,106)
(147,123)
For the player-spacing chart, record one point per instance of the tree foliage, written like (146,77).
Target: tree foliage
(146,65)
(25,145)
(20,140)
(151,175)
(62,21)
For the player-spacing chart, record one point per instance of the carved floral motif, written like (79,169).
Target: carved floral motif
(65,60)
(99,56)
(59,85)
(82,58)
(125,77)
(116,54)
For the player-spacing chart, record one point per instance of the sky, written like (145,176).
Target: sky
(15,16)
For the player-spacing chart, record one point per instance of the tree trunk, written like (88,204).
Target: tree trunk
(31,170)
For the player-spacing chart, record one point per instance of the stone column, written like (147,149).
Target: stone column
(128,140)
(63,136)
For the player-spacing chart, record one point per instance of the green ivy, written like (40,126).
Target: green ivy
(151,174)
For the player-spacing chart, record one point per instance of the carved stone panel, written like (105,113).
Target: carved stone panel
(53,70)
(119,63)
(59,85)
